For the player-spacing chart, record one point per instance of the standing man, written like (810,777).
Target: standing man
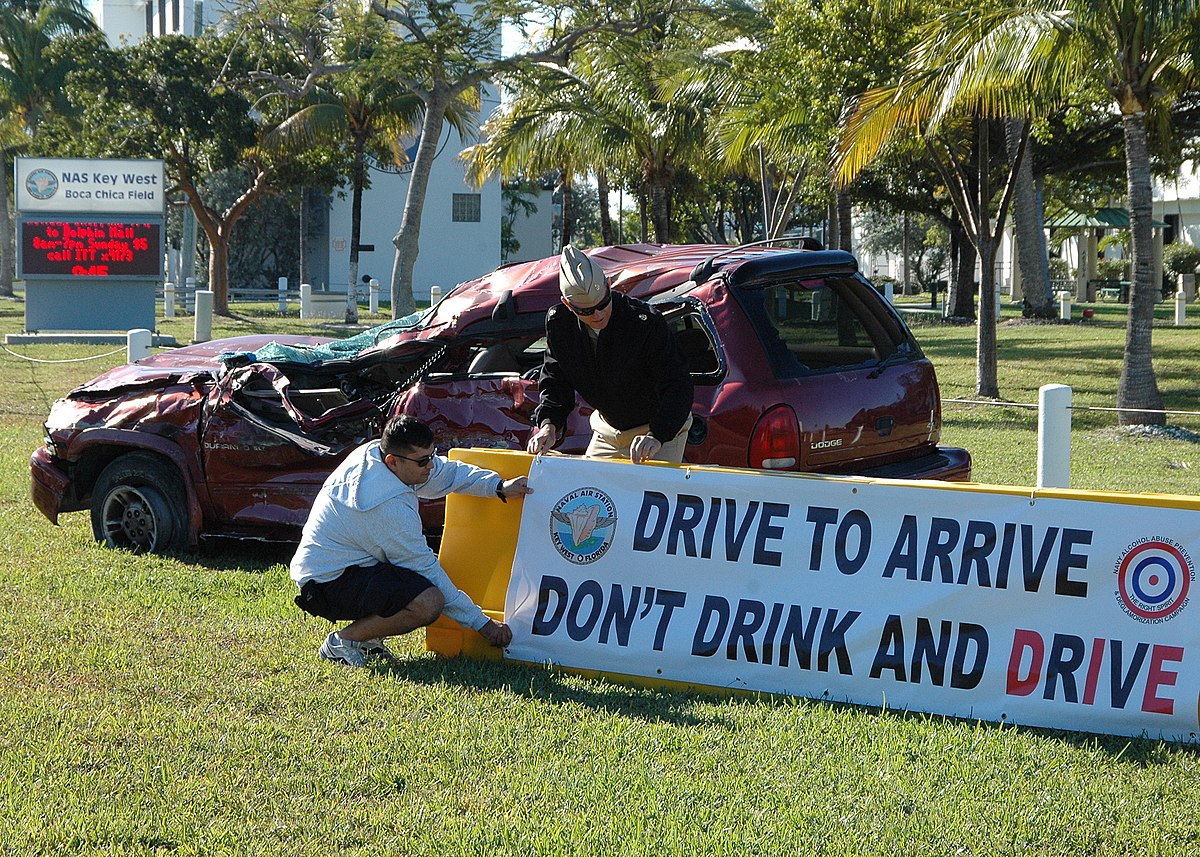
(363,556)
(619,355)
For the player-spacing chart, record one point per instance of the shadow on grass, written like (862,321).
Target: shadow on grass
(547,684)
(676,706)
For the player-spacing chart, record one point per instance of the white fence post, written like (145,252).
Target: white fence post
(1054,436)
(1180,308)
(1064,306)
(168,299)
(305,300)
(283,286)
(435,294)
(889,292)
(204,313)
(137,344)
(374,295)
(189,294)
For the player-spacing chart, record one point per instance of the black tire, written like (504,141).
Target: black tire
(138,505)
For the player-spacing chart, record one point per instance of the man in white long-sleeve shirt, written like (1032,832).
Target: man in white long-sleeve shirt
(363,556)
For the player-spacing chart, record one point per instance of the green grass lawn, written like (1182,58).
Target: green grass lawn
(177,706)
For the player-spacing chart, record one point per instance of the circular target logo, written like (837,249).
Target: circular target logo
(582,525)
(1153,579)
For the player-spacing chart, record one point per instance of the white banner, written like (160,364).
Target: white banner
(1066,613)
(92,185)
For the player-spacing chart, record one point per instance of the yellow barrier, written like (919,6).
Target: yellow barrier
(477,551)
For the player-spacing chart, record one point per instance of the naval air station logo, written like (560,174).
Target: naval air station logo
(41,184)
(582,525)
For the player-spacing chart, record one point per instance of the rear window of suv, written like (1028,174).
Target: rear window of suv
(824,325)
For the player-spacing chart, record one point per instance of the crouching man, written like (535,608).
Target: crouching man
(363,556)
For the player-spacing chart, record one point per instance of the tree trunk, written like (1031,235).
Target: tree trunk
(218,272)
(407,239)
(643,218)
(1138,387)
(568,208)
(606,228)
(356,179)
(963,305)
(7,249)
(986,383)
(1030,230)
(845,212)
(660,211)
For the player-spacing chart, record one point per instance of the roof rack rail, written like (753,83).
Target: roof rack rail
(704,270)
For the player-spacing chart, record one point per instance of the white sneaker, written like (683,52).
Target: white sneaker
(349,652)
(375,648)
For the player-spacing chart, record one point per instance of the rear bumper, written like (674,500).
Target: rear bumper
(947,464)
(48,484)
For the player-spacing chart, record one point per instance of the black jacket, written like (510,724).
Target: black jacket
(636,374)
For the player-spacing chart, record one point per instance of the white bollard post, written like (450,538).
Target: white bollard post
(305,300)
(374,295)
(204,314)
(435,294)
(137,344)
(189,293)
(168,299)
(1064,305)
(889,292)
(1180,308)
(283,295)
(1054,436)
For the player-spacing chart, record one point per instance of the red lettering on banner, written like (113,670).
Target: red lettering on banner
(1032,641)
(1158,677)
(1056,673)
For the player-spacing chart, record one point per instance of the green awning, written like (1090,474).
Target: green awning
(1103,218)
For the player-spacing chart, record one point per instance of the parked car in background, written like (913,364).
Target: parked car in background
(799,365)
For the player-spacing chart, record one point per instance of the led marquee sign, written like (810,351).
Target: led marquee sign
(82,248)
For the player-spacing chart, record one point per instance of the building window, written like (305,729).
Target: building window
(162,17)
(149,18)
(175,16)
(466,208)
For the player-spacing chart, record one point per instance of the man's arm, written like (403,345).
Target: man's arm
(557,394)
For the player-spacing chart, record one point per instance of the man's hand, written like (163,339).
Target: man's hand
(515,487)
(497,634)
(542,439)
(644,448)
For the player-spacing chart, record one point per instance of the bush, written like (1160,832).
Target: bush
(1181,258)
(1112,269)
(1060,269)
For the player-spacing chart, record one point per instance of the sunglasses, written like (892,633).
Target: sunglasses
(420,462)
(592,310)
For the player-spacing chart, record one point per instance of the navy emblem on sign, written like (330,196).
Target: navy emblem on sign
(41,184)
(582,525)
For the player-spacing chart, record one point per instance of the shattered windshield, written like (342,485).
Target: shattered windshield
(339,349)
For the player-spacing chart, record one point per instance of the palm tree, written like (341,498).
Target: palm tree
(362,106)
(926,102)
(1140,54)
(31,86)
(611,108)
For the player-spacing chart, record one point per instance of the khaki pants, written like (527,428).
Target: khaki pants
(608,442)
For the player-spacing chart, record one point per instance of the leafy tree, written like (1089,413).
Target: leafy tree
(1142,56)
(32,80)
(187,101)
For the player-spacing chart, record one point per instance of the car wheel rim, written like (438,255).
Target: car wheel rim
(129,520)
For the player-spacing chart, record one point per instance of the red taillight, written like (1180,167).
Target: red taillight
(775,442)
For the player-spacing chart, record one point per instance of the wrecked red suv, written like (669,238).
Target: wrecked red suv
(798,364)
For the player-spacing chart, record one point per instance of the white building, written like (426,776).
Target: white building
(460,228)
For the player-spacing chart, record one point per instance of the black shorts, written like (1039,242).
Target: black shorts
(376,590)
